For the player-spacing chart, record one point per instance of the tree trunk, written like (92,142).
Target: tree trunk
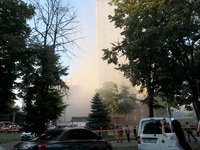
(169,111)
(150,97)
(193,86)
(196,103)
(151,113)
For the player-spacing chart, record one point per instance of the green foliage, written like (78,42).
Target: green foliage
(43,89)
(160,44)
(117,100)
(14,32)
(99,116)
(9,137)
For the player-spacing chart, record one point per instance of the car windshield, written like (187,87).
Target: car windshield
(50,135)
(153,127)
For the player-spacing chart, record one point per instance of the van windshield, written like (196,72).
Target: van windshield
(153,127)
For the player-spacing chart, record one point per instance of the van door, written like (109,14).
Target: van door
(151,136)
(165,143)
(148,137)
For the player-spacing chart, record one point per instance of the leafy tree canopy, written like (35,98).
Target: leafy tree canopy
(160,44)
(14,32)
(42,89)
(117,100)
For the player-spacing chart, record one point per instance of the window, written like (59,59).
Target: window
(89,135)
(75,134)
(82,134)
(153,127)
(50,135)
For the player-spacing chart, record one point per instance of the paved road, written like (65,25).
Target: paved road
(8,146)
(124,143)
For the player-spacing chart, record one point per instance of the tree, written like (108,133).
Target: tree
(117,100)
(140,45)
(182,41)
(160,39)
(43,89)
(55,24)
(14,32)
(99,116)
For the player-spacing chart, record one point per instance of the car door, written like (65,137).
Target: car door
(85,140)
(93,140)
(70,140)
(77,140)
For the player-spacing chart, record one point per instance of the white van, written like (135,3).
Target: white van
(150,135)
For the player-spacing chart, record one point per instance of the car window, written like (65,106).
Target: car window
(89,135)
(153,127)
(50,135)
(75,134)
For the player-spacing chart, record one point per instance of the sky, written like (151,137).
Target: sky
(86,15)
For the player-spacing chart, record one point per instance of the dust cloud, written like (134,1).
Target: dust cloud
(82,84)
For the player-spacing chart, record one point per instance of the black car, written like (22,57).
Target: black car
(65,139)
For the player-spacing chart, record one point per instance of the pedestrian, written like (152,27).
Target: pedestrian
(135,132)
(113,129)
(189,132)
(120,133)
(127,132)
(100,133)
(177,136)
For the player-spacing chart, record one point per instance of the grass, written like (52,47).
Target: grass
(8,137)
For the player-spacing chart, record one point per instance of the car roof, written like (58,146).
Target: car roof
(155,118)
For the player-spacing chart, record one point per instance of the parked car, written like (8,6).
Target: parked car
(63,139)
(14,128)
(5,128)
(150,135)
(25,136)
(51,127)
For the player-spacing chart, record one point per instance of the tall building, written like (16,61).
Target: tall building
(80,96)
(106,33)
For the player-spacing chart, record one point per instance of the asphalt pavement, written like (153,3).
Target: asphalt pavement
(124,143)
(9,145)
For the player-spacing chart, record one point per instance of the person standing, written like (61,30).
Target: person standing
(189,132)
(177,136)
(120,133)
(135,132)
(127,132)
